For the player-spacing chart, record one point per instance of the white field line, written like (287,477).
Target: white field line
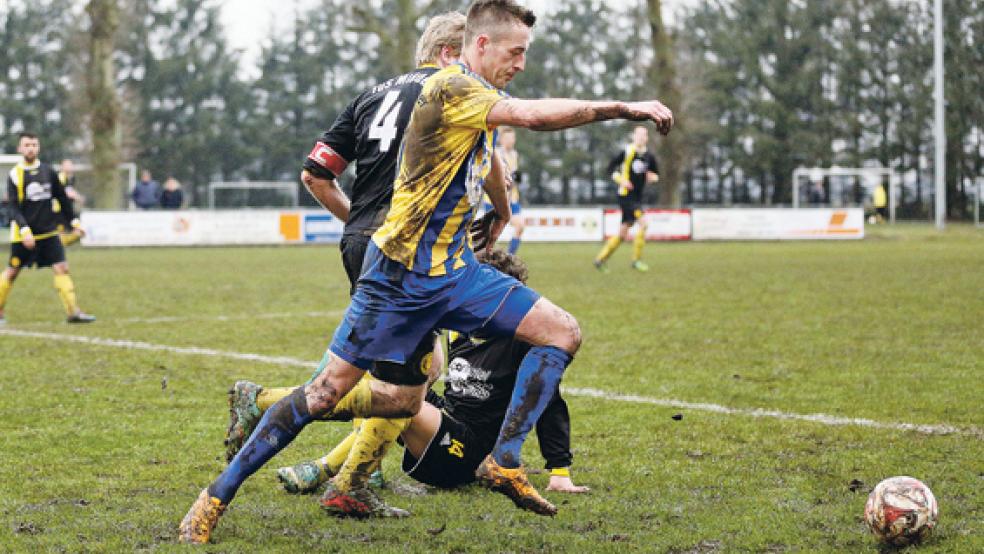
(243,317)
(823,419)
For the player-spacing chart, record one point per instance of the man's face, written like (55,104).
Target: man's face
(68,166)
(640,137)
(145,176)
(503,54)
(29,148)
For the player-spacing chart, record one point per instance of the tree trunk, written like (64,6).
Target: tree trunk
(103,105)
(662,75)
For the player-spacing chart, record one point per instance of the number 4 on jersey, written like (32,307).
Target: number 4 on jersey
(383,127)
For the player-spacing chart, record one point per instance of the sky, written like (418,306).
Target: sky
(247,22)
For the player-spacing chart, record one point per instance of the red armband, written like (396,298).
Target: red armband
(326,157)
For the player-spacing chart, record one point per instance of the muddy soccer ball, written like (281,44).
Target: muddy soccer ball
(901,511)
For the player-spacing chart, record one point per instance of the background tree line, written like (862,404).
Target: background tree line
(760,87)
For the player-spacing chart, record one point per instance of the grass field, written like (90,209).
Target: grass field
(104,446)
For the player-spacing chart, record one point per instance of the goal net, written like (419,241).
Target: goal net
(842,187)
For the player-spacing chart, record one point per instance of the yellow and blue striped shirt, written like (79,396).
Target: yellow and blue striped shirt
(445,158)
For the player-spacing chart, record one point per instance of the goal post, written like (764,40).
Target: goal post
(869,176)
(253,194)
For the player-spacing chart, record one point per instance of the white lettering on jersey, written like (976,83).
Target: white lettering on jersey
(36,192)
(467,381)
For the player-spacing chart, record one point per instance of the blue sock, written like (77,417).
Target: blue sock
(536,384)
(279,425)
(514,245)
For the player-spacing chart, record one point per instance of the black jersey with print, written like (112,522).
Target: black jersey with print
(634,166)
(369,131)
(31,190)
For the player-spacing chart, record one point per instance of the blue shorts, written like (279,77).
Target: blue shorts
(394,309)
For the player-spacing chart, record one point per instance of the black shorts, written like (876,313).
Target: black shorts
(46,252)
(631,210)
(353,249)
(451,458)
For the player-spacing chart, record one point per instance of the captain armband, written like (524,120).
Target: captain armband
(324,162)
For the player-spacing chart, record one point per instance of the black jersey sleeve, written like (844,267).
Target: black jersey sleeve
(340,140)
(553,431)
(652,163)
(614,166)
(13,205)
(58,192)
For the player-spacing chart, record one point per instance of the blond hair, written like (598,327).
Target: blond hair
(486,17)
(447,29)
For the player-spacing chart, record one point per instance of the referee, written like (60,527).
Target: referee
(32,190)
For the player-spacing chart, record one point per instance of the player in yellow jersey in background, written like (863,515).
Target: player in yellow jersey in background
(632,169)
(507,149)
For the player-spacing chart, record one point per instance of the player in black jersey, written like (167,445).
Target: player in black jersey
(632,169)
(33,188)
(369,131)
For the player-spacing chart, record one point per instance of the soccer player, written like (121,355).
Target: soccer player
(450,436)
(369,131)
(632,169)
(32,189)
(507,144)
(420,272)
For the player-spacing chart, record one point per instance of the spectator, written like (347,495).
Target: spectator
(173,197)
(147,194)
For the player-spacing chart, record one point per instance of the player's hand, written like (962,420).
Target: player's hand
(562,483)
(652,110)
(498,226)
(27,239)
(627,184)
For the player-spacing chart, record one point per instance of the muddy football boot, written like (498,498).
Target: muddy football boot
(303,478)
(360,502)
(244,414)
(513,483)
(376,480)
(201,519)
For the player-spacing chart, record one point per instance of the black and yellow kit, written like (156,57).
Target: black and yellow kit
(633,166)
(37,202)
(481,377)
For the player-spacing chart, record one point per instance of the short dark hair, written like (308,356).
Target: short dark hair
(484,15)
(26,134)
(510,264)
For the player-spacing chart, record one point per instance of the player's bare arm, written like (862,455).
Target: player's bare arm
(328,194)
(551,114)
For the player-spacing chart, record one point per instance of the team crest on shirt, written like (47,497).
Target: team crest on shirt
(467,381)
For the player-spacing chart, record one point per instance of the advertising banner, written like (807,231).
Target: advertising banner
(660,224)
(778,224)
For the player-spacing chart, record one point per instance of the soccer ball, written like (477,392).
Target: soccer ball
(901,511)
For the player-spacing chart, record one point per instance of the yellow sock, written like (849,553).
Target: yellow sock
(268,397)
(332,462)
(357,403)
(5,286)
(609,248)
(637,244)
(373,440)
(66,291)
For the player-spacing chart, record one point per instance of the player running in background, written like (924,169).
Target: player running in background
(420,272)
(369,131)
(507,144)
(450,436)
(33,188)
(632,169)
